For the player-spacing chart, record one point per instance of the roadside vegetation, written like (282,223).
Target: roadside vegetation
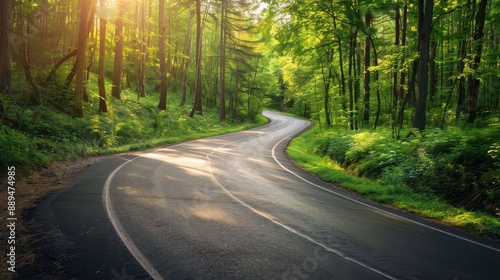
(45,135)
(449,175)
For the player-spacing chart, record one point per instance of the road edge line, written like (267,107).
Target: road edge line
(129,243)
(371,206)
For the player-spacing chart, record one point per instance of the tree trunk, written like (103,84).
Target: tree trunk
(366,97)
(86,7)
(187,53)
(474,81)
(118,63)
(5,71)
(143,49)
(425,17)
(59,63)
(222,63)
(197,97)
(103,108)
(327,78)
(161,56)
(341,67)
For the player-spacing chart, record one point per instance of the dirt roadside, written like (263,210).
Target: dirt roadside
(30,187)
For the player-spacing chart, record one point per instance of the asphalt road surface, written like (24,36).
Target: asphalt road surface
(235,207)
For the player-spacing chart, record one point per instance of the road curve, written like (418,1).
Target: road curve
(234,207)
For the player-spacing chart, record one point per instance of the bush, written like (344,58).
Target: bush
(460,166)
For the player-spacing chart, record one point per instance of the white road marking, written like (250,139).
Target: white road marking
(129,243)
(371,206)
(288,228)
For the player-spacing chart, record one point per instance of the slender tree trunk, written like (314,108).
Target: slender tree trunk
(474,81)
(341,68)
(461,67)
(118,62)
(161,56)
(187,52)
(59,63)
(425,16)
(24,53)
(197,98)
(395,88)
(222,63)
(366,99)
(5,70)
(141,87)
(86,7)
(102,57)
(352,75)
(327,77)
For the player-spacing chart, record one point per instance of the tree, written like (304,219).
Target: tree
(5,71)
(118,62)
(425,15)
(366,101)
(162,105)
(102,57)
(85,8)
(141,87)
(474,81)
(222,64)
(197,97)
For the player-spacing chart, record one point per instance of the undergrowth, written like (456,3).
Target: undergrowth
(46,135)
(452,175)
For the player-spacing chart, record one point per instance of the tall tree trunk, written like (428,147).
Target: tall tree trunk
(327,78)
(352,75)
(222,63)
(86,7)
(118,63)
(5,71)
(24,53)
(366,97)
(187,53)
(141,87)
(395,88)
(162,105)
(474,81)
(197,97)
(102,57)
(401,92)
(462,50)
(425,17)
(341,67)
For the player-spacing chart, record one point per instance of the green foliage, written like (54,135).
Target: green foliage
(47,135)
(448,164)
(442,175)
(17,148)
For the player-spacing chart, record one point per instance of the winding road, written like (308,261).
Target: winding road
(235,207)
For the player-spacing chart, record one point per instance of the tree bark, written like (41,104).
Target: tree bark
(103,108)
(86,7)
(162,105)
(425,24)
(366,97)
(187,60)
(222,63)
(59,63)
(474,81)
(5,70)
(118,62)
(197,108)
(143,49)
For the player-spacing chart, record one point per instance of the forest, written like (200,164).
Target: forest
(402,92)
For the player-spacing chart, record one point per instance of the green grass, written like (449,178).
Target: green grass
(129,125)
(309,151)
